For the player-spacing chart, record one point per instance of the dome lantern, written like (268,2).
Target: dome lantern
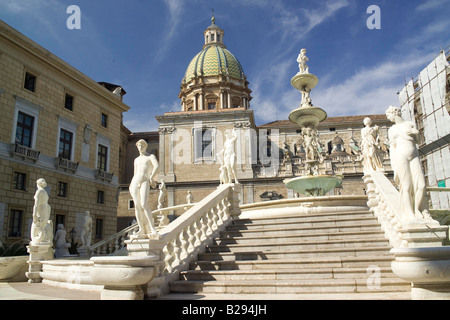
(213,34)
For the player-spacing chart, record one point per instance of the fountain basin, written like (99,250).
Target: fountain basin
(318,185)
(302,80)
(307,116)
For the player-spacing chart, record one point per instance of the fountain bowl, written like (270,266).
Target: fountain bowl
(318,185)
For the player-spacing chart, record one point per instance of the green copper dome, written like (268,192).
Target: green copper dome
(214,60)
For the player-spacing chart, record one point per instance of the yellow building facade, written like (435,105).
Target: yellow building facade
(60,125)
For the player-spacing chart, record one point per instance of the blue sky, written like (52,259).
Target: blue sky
(146,46)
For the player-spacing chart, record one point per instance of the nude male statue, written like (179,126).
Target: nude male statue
(145,168)
(229,156)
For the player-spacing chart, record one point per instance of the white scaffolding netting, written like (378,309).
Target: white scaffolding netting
(430,113)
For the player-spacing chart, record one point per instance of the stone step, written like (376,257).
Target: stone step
(290,235)
(291,254)
(382,260)
(271,244)
(232,232)
(290,286)
(319,222)
(306,217)
(287,274)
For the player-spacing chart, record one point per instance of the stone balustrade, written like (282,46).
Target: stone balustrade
(420,256)
(113,244)
(181,241)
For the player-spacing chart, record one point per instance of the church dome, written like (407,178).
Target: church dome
(214,60)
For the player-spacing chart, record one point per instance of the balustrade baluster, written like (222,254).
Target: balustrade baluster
(184,244)
(169,257)
(204,227)
(198,233)
(191,237)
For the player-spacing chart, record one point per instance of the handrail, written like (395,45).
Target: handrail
(115,242)
(384,201)
(185,237)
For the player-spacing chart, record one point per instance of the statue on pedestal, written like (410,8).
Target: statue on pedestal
(228,168)
(408,174)
(42,227)
(370,147)
(86,231)
(189,197)
(145,168)
(302,59)
(61,245)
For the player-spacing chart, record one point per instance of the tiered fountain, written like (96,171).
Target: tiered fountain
(307,117)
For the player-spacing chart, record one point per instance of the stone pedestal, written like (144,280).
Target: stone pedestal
(150,247)
(84,252)
(124,277)
(37,253)
(428,270)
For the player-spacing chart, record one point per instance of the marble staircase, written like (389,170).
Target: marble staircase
(320,253)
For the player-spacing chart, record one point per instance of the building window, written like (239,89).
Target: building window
(15,223)
(65,144)
(332,129)
(104,120)
(211,106)
(98,228)
(130,204)
(102,157)
(68,103)
(30,82)
(100,197)
(204,144)
(20,181)
(24,129)
(62,189)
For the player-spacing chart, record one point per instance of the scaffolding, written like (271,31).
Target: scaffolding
(425,101)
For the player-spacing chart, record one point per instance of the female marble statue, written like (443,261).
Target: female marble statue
(86,231)
(61,245)
(145,168)
(41,228)
(370,147)
(408,174)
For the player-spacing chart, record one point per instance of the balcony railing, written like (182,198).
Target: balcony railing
(24,152)
(103,175)
(66,164)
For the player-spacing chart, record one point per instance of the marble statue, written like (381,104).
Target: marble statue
(306,97)
(302,59)
(61,245)
(145,168)
(228,168)
(86,231)
(162,195)
(87,133)
(370,147)
(42,227)
(408,174)
(310,144)
(189,197)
